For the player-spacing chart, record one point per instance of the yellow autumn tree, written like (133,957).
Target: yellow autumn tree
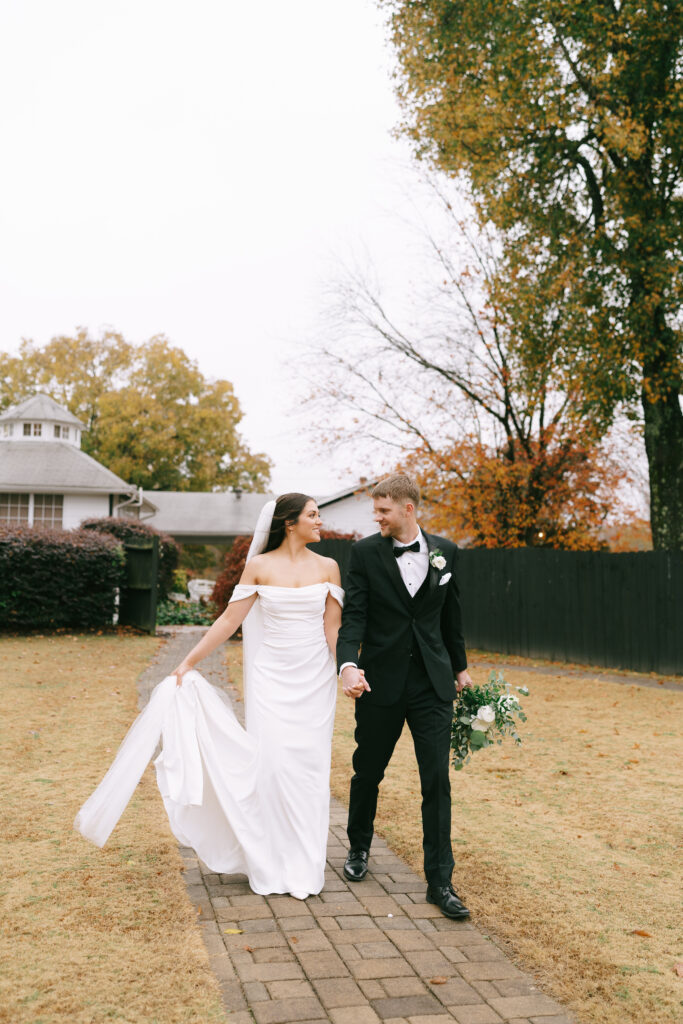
(151,415)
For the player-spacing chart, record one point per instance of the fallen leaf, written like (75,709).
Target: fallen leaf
(233,931)
(438,981)
(249,949)
(639,931)
(678,969)
(293,938)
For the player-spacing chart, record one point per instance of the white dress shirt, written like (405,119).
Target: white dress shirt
(413,567)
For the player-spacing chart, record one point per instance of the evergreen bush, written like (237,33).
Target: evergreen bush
(58,578)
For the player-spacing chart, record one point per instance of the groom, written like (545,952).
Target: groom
(400,647)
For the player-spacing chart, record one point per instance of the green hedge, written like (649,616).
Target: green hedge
(128,528)
(58,578)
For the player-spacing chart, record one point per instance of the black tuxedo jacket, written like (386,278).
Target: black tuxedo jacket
(381,622)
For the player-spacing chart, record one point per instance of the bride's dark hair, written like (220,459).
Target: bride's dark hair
(288,508)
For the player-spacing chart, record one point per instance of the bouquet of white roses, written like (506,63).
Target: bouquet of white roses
(483,715)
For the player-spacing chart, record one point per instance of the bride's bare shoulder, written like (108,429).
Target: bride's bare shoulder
(254,569)
(329,569)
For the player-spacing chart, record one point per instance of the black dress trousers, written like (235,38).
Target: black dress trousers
(377,731)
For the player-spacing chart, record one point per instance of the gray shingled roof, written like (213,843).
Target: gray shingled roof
(55,466)
(40,407)
(209,514)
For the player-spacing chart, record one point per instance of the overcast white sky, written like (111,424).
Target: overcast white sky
(192,169)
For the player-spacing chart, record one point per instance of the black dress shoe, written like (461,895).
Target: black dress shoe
(356,865)
(447,901)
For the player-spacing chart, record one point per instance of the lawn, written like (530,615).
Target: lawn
(88,935)
(568,847)
(565,847)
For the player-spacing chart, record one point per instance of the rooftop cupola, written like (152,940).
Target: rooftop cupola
(40,418)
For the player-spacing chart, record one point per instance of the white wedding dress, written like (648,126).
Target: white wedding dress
(252,802)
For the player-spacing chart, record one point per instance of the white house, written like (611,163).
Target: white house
(350,510)
(45,478)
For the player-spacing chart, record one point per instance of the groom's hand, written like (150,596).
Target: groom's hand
(354,683)
(462,680)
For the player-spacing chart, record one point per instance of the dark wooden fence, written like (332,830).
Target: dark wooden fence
(591,607)
(618,610)
(340,550)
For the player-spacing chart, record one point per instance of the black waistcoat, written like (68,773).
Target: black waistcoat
(416,653)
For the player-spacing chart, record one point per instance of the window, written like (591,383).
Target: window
(27,429)
(47,510)
(65,431)
(58,430)
(14,508)
(37,429)
(8,429)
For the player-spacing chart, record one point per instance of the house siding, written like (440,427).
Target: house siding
(78,507)
(350,515)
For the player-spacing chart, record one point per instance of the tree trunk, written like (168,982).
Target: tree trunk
(664,447)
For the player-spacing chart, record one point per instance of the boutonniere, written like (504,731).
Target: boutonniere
(436,559)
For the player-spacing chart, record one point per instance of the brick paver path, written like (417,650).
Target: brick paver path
(360,953)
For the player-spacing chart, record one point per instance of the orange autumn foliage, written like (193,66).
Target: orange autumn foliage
(558,495)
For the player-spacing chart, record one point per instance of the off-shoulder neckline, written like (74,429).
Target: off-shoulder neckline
(306,586)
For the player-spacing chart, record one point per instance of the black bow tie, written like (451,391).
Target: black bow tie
(409,547)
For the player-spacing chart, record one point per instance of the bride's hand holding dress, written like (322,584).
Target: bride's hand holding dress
(253,802)
(220,631)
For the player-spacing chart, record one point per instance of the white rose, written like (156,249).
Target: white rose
(439,562)
(486,716)
(479,726)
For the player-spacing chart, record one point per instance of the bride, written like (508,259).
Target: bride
(254,802)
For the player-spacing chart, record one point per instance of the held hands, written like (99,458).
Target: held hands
(354,683)
(462,680)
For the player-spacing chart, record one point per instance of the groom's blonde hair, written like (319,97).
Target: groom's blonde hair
(399,487)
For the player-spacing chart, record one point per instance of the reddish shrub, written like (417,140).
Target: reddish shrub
(58,578)
(127,527)
(233,568)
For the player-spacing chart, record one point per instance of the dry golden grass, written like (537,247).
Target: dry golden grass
(566,846)
(88,935)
